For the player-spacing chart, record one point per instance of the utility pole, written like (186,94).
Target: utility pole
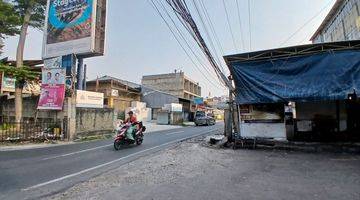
(231,114)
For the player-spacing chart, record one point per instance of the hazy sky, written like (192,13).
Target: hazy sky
(139,43)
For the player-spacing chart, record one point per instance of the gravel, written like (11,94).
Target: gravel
(191,170)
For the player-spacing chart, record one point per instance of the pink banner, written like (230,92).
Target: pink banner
(52,97)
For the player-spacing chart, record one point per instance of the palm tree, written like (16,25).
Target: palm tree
(31,13)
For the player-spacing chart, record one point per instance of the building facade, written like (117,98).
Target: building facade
(342,23)
(117,94)
(176,84)
(156,100)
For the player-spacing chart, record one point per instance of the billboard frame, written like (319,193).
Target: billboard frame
(97,36)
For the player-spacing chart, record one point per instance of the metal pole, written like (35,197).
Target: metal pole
(84,78)
(79,74)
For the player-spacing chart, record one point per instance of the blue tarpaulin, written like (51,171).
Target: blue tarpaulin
(324,76)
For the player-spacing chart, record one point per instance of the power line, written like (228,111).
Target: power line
(228,22)
(152,3)
(241,31)
(192,51)
(212,27)
(188,45)
(249,12)
(181,10)
(306,23)
(208,33)
(205,28)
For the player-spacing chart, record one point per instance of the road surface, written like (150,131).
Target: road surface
(36,173)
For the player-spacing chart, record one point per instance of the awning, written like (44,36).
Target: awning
(316,76)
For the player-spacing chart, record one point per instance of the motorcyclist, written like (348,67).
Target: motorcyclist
(130,133)
(131,118)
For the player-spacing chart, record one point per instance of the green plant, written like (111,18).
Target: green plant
(6,126)
(22,74)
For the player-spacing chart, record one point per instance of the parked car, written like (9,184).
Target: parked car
(201,118)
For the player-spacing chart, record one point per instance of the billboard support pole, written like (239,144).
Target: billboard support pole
(84,78)
(79,74)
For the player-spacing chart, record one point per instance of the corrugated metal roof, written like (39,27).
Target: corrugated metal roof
(293,51)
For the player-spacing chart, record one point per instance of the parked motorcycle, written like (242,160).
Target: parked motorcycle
(122,140)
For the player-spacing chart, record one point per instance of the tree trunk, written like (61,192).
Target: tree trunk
(19,63)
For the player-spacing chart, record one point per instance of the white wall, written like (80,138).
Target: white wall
(270,130)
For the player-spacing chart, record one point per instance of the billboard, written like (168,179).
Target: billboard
(71,27)
(53,62)
(53,76)
(51,97)
(8,84)
(86,99)
(53,85)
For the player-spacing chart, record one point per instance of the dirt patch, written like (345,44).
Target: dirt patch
(192,171)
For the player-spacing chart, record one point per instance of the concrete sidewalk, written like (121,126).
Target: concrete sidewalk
(153,127)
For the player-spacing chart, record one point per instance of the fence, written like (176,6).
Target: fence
(35,131)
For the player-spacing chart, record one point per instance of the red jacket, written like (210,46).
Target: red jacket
(131,120)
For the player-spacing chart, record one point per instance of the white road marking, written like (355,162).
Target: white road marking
(76,152)
(91,149)
(174,132)
(111,162)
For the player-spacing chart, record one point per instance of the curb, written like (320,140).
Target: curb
(31,146)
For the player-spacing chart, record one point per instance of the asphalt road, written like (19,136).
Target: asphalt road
(36,173)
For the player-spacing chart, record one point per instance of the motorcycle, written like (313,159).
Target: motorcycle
(122,140)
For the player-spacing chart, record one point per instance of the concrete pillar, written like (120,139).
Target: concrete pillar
(228,124)
(236,120)
(70,115)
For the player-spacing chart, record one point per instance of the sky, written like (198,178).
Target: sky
(138,42)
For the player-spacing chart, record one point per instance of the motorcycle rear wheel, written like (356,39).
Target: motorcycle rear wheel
(117,145)
(139,141)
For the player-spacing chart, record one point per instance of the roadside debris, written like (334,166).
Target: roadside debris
(216,138)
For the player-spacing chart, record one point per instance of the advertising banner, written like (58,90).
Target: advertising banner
(53,62)
(8,84)
(53,85)
(32,88)
(86,99)
(51,97)
(198,100)
(53,75)
(69,28)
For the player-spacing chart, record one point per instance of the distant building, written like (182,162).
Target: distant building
(156,100)
(342,23)
(7,83)
(30,93)
(217,102)
(118,94)
(176,84)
